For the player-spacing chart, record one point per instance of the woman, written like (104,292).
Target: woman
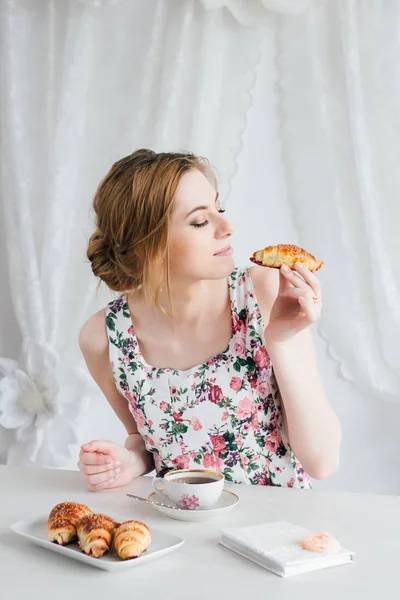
(184,355)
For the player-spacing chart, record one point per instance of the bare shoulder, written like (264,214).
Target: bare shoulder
(266,286)
(94,345)
(93,340)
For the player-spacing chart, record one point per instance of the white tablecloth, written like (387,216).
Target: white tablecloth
(201,568)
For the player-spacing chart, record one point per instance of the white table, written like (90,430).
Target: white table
(201,568)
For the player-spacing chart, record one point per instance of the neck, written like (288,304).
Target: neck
(191,300)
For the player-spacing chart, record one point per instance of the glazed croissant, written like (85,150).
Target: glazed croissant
(131,538)
(63,521)
(285,254)
(95,533)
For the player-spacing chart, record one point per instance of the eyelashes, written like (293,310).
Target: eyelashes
(206,222)
(200,224)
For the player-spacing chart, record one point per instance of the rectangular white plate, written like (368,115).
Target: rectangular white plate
(35,530)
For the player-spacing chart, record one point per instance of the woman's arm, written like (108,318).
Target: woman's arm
(93,342)
(311,425)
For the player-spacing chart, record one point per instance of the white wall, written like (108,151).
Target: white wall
(260,212)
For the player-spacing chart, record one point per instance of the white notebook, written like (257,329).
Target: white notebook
(277,547)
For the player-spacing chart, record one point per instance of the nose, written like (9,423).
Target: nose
(225,228)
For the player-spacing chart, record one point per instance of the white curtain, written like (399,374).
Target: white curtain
(338,114)
(84,83)
(339,111)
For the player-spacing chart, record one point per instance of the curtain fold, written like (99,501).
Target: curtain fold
(258,12)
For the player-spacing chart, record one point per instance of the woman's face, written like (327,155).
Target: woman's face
(200,235)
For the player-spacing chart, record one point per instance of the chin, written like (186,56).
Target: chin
(222,269)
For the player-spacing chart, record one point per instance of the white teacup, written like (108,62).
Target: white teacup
(192,489)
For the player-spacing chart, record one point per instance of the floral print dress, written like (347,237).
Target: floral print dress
(224,414)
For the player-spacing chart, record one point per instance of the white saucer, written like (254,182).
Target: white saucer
(227,501)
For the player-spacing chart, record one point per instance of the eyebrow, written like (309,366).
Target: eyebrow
(201,207)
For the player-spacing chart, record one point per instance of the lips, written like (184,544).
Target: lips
(227,251)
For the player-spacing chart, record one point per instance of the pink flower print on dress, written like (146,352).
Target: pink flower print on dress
(224,416)
(173,391)
(263,387)
(253,382)
(261,358)
(273,441)
(235,384)
(244,460)
(164,406)
(177,417)
(215,394)
(291,482)
(254,422)
(131,397)
(237,324)
(139,418)
(209,461)
(218,442)
(189,502)
(130,330)
(239,344)
(181,461)
(195,423)
(219,464)
(245,409)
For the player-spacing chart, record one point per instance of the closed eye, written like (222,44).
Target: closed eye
(206,222)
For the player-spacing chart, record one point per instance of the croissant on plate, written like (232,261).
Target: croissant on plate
(131,538)
(95,534)
(63,520)
(285,254)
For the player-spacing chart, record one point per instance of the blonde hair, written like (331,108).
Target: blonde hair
(133,206)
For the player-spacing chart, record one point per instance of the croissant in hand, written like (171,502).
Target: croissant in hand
(95,533)
(285,254)
(131,538)
(63,521)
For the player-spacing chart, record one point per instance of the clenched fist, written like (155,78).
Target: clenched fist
(104,464)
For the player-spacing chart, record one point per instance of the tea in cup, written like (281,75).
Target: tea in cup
(192,489)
